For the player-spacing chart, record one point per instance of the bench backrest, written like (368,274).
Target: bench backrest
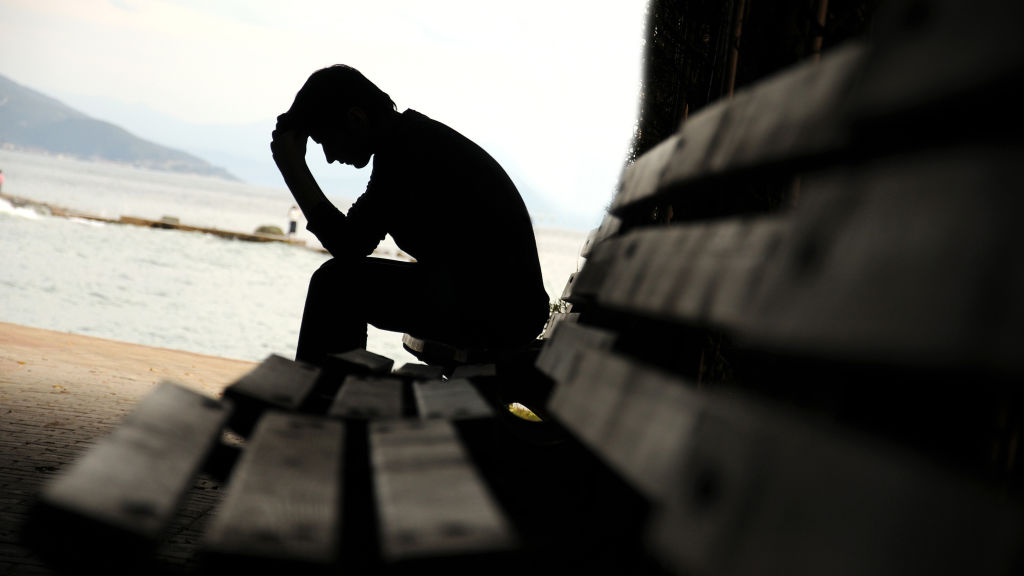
(804,306)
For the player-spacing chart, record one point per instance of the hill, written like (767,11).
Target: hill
(30,120)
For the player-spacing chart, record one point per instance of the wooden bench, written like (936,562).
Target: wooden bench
(795,347)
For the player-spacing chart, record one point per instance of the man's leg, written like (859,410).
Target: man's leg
(327,323)
(345,295)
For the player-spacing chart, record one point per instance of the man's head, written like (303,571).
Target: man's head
(339,108)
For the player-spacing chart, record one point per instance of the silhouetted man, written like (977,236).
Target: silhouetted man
(476,280)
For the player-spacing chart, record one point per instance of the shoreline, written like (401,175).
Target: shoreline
(30,355)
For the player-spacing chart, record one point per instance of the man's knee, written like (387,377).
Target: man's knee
(364,278)
(331,271)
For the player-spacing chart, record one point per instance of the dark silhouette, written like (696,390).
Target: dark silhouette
(476,280)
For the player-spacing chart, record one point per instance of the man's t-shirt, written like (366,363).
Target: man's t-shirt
(448,204)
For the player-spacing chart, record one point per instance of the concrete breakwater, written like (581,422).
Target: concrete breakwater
(167,222)
(173,223)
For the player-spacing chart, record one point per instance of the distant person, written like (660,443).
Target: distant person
(293,219)
(476,280)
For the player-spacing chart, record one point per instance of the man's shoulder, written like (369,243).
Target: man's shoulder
(415,121)
(437,138)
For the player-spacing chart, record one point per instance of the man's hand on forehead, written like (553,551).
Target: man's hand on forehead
(288,143)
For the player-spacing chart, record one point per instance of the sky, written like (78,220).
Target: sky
(549,87)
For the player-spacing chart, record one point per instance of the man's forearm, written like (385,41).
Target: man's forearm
(303,186)
(288,147)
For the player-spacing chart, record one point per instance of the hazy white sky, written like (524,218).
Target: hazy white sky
(553,84)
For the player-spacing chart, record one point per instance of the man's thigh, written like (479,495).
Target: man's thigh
(407,297)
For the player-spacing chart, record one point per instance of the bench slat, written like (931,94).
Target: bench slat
(641,180)
(794,115)
(368,398)
(698,274)
(911,259)
(432,503)
(420,371)
(610,226)
(471,371)
(759,488)
(559,356)
(358,361)
(134,478)
(454,399)
(789,118)
(277,382)
(556,319)
(905,93)
(634,419)
(739,485)
(583,285)
(283,500)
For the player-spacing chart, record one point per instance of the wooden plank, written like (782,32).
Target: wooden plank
(118,498)
(446,355)
(697,274)
(910,259)
(761,490)
(358,361)
(567,292)
(369,398)
(586,399)
(641,180)
(432,503)
(277,382)
(635,419)
(719,252)
(610,226)
(454,399)
(740,276)
(795,114)
(556,319)
(584,285)
(471,371)
(413,371)
(674,250)
(283,500)
(932,55)
(559,356)
(743,487)
(623,277)
(789,118)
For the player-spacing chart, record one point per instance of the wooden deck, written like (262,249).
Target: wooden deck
(61,392)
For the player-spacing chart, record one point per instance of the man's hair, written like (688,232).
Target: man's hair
(332,91)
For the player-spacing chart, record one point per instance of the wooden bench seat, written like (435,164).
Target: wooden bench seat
(794,347)
(287,502)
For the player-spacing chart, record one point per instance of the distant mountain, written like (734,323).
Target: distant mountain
(30,120)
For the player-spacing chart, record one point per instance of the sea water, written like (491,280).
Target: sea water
(168,288)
